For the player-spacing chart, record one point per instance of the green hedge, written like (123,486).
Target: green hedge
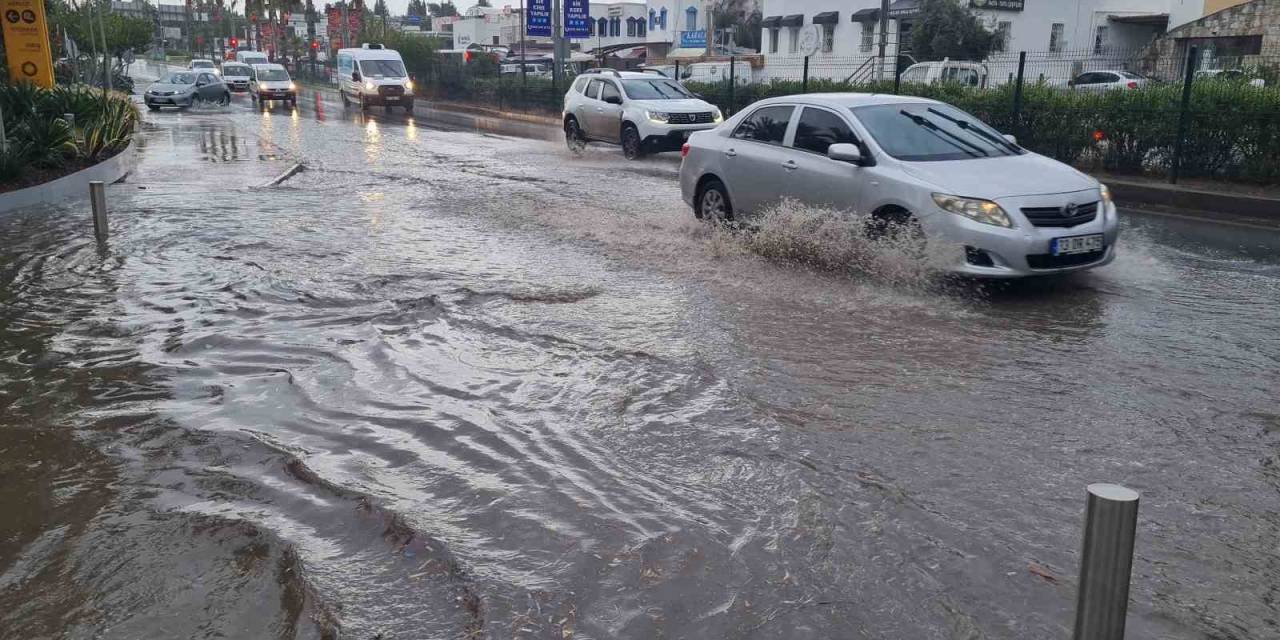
(1234,130)
(41,137)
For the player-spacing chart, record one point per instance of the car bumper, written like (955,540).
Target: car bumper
(169,101)
(672,139)
(238,85)
(987,251)
(393,101)
(277,95)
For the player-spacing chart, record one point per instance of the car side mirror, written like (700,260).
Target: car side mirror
(845,152)
(355,76)
(613,100)
(1011,138)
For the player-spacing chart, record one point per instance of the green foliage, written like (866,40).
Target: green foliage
(123,32)
(46,142)
(1234,128)
(40,135)
(442,9)
(109,132)
(945,29)
(416,8)
(12,163)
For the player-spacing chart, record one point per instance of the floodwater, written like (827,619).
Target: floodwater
(450,383)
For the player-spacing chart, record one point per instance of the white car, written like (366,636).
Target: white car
(969,74)
(907,163)
(237,75)
(202,64)
(643,112)
(272,82)
(1106,80)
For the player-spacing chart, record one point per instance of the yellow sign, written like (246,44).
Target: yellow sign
(26,41)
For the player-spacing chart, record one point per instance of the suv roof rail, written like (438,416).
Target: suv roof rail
(603,70)
(657,71)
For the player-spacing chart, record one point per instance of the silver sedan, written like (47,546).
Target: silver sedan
(905,161)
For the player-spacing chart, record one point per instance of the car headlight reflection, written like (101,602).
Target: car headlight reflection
(293,87)
(368,85)
(408,85)
(658,116)
(716,116)
(984,211)
(1106,193)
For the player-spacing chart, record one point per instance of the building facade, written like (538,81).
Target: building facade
(1245,34)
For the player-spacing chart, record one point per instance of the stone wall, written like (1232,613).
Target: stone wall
(1255,18)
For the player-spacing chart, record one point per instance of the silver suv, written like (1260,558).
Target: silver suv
(643,112)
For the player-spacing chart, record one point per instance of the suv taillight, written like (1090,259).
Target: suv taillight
(684,150)
(1133,85)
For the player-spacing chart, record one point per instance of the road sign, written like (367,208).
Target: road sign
(810,39)
(539,22)
(576,19)
(693,39)
(26,41)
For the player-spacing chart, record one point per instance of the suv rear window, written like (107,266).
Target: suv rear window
(767,124)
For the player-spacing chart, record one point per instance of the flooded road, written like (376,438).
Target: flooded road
(451,383)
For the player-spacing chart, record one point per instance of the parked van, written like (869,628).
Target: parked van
(251,57)
(373,75)
(712,72)
(969,74)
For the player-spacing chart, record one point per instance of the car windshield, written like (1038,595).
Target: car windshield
(234,70)
(656,89)
(931,132)
(382,68)
(201,64)
(269,75)
(181,78)
(1131,76)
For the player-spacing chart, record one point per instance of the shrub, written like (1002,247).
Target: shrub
(47,142)
(41,137)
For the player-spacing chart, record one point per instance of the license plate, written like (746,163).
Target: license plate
(1076,244)
(393,98)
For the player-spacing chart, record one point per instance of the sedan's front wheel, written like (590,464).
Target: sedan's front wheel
(712,203)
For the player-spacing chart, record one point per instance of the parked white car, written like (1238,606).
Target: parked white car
(372,75)
(642,112)
(1107,80)
(971,74)
(908,163)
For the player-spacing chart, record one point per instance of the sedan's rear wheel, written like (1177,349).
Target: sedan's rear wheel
(712,203)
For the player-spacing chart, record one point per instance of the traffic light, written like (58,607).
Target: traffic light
(234,42)
(315,44)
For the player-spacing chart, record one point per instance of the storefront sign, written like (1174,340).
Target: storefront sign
(576,18)
(539,21)
(998,5)
(26,41)
(693,39)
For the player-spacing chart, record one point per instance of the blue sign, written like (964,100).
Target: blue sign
(415,20)
(693,39)
(576,19)
(539,21)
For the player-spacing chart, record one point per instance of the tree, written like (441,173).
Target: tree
(417,8)
(945,29)
(742,18)
(442,9)
(380,9)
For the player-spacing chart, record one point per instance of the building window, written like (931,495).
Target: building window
(1100,39)
(868,36)
(1055,37)
(631,28)
(495,41)
(1004,34)
(653,18)
(828,37)
(793,44)
(591,27)
(602,28)
(773,40)
(615,27)
(691,19)
(640,30)
(662,18)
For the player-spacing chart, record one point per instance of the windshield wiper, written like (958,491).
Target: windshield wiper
(955,141)
(968,126)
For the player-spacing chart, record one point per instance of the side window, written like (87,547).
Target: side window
(205,78)
(578,84)
(767,124)
(594,90)
(819,129)
(1109,77)
(610,90)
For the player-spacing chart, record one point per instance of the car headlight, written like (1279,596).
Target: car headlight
(984,211)
(1106,193)
(293,87)
(658,116)
(408,85)
(368,85)
(716,116)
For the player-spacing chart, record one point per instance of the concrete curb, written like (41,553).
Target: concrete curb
(1205,202)
(75,185)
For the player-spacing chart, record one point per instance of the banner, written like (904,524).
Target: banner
(26,41)
(539,21)
(576,19)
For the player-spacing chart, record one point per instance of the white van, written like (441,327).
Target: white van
(373,75)
(251,57)
(272,82)
(969,74)
(237,75)
(713,72)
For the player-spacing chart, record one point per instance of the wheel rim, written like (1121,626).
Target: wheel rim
(713,205)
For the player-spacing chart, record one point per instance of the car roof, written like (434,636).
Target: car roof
(371,54)
(195,60)
(268,65)
(845,100)
(628,75)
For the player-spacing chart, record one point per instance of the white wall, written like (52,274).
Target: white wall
(621,10)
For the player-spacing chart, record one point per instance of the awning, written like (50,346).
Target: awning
(827,17)
(866,15)
(686,53)
(635,53)
(904,8)
(771,22)
(1150,19)
(793,20)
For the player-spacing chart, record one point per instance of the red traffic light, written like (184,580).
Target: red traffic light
(466,56)
(315,44)
(234,43)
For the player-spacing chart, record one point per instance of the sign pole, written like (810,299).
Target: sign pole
(884,37)
(557,44)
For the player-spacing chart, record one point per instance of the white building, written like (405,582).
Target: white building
(616,24)
(483,26)
(677,28)
(1057,34)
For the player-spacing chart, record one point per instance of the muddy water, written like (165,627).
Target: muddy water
(457,384)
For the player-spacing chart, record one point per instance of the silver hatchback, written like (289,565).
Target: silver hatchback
(903,160)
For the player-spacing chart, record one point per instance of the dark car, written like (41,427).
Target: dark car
(183,89)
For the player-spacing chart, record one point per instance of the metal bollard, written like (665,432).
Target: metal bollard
(1106,562)
(98,197)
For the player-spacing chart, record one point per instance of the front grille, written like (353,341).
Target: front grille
(390,90)
(1050,261)
(1061,216)
(690,118)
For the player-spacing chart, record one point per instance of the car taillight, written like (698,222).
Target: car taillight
(684,149)
(1133,85)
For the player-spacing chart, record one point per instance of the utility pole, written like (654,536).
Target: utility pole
(523,79)
(346,27)
(884,37)
(557,44)
(709,25)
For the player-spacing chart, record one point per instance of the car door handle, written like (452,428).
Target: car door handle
(789,165)
(730,153)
